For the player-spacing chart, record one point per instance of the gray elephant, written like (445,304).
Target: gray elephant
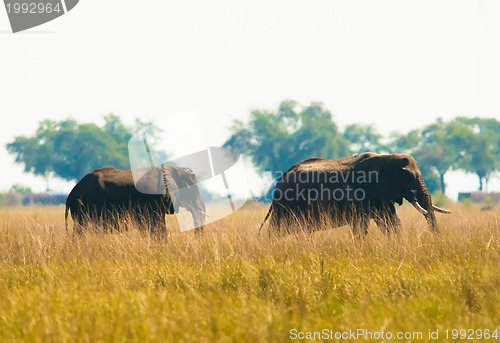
(145,195)
(351,190)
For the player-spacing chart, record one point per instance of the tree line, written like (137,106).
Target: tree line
(274,140)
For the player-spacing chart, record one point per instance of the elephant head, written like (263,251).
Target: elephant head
(150,183)
(176,186)
(394,177)
(182,185)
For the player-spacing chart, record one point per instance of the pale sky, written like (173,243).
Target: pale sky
(396,64)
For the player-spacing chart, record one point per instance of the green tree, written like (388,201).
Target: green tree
(481,147)
(69,149)
(276,140)
(363,138)
(36,152)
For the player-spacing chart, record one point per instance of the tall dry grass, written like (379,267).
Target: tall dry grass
(229,284)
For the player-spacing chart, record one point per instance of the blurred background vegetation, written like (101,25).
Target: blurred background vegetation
(274,139)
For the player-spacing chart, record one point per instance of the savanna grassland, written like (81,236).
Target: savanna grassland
(228,284)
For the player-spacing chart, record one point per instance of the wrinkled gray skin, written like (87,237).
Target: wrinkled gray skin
(108,194)
(393,178)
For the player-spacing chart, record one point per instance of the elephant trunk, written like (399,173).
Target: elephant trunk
(425,200)
(198,212)
(192,200)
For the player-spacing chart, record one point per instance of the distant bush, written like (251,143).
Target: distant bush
(489,201)
(4,201)
(18,199)
(440,199)
(466,202)
(20,189)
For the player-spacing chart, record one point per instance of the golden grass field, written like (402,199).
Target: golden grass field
(230,285)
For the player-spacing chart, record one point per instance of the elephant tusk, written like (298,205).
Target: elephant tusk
(419,208)
(438,209)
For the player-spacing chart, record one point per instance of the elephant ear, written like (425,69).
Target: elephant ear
(172,187)
(377,175)
(150,182)
(397,161)
(179,183)
(182,178)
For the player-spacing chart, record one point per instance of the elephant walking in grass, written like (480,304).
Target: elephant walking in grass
(146,195)
(350,190)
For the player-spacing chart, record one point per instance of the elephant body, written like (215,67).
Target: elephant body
(106,195)
(351,190)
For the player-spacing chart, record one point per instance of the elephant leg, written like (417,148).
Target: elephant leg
(392,219)
(276,222)
(389,225)
(81,219)
(359,228)
(359,217)
(382,225)
(115,224)
(360,225)
(85,220)
(117,215)
(158,225)
(275,225)
(143,218)
(108,221)
(78,225)
(395,224)
(388,220)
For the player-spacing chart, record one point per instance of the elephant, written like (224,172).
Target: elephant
(144,195)
(351,190)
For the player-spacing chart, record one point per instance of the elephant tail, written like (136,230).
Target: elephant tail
(66,211)
(266,218)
